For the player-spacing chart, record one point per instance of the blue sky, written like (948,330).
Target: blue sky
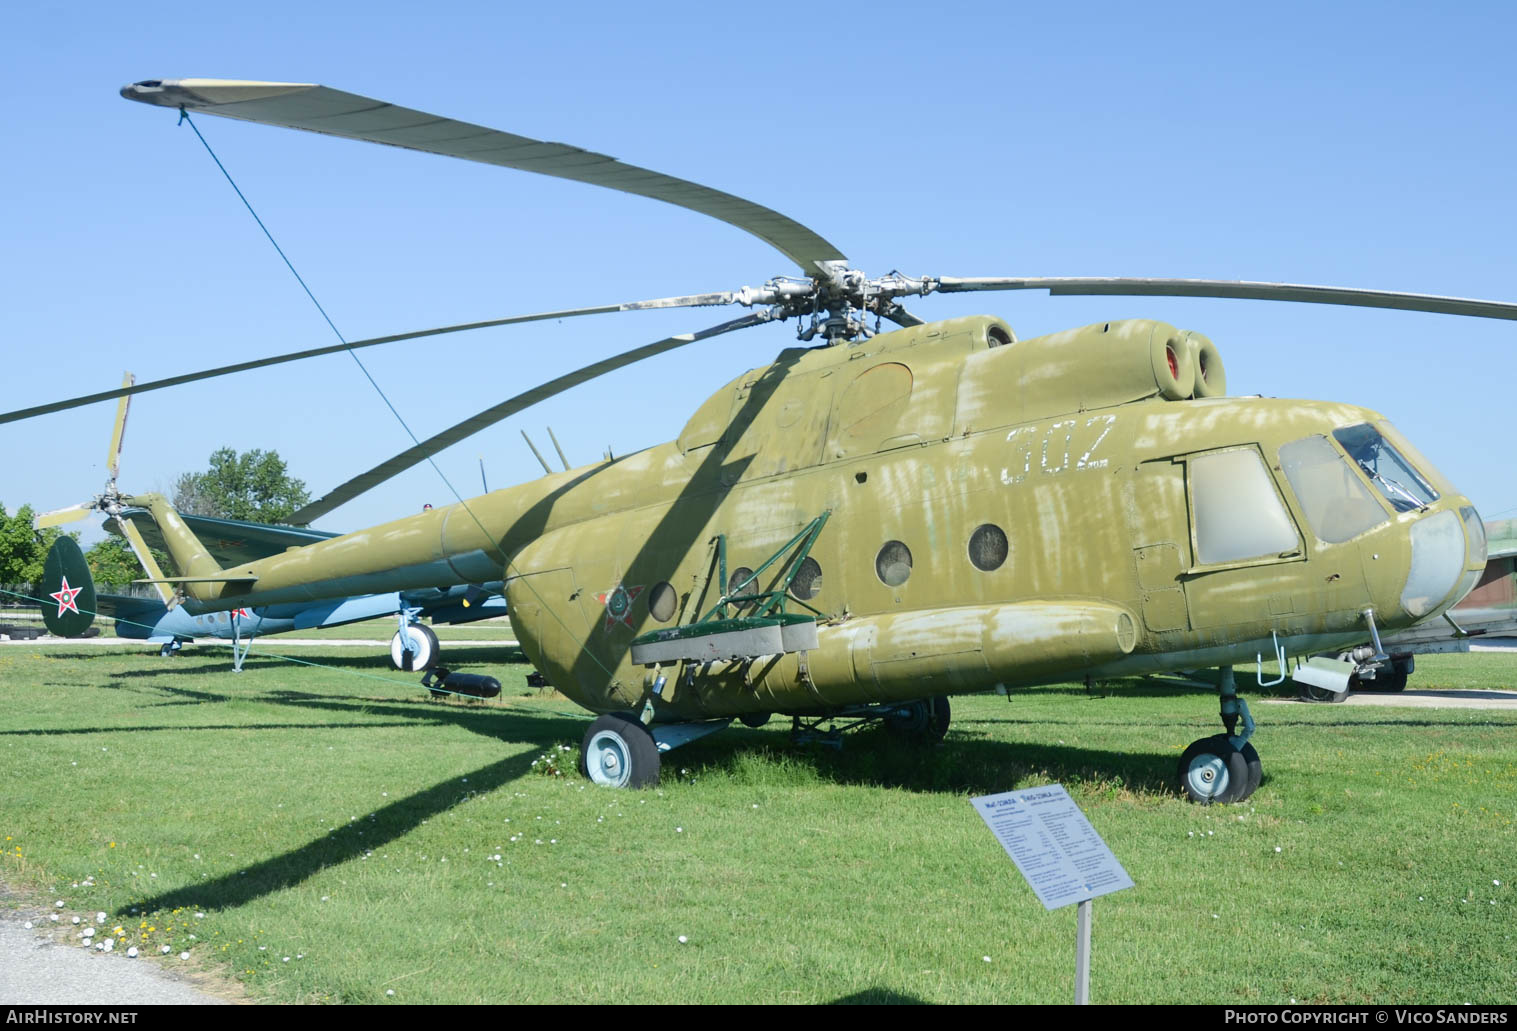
(1358,145)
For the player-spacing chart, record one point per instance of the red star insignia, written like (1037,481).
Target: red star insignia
(65,597)
(618,602)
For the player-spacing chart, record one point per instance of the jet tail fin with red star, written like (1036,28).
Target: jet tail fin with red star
(68,605)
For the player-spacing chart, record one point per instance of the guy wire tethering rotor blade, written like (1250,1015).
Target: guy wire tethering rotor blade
(1236,289)
(126,389)
(424,450)
(322,109)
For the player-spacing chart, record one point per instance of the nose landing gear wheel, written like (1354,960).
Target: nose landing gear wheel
(618,752)
(417,650)
(1212,770)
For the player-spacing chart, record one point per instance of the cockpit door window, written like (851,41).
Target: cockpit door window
(1238,513)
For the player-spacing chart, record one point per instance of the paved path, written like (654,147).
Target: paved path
(36,969)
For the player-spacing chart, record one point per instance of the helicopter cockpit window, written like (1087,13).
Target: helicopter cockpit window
(1337,504)
(1390,472)
(1238,514)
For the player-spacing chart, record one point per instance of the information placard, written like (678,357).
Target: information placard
(1053,844)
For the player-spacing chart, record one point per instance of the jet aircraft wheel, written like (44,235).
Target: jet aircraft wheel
(1255,770)
(924,722)
(618,752)
(1212,770)
(423,648)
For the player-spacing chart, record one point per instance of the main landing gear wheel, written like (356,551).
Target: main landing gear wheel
(1212,770)
(1255,769)
(618,752)
(421,644)
(924,722)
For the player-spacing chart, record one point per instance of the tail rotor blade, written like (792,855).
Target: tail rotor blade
(145,559)
(62,516)
(113,457)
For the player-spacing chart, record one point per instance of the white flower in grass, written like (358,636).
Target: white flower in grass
(99,918)
(165,950)
(184,955)
(985,958)
(389,991)
(683,939)
(132,952)
(76,920)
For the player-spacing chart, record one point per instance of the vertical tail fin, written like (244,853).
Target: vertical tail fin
(67,582)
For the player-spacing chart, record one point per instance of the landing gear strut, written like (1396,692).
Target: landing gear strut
(922,722)
(1223,767)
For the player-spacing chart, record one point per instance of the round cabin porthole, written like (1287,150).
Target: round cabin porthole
(988,547)
(736,580)
(808,580)
(661,601)
(893,564)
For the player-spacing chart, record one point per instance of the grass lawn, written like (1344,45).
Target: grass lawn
(385,843)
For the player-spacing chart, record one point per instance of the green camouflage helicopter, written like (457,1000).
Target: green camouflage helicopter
(869,525)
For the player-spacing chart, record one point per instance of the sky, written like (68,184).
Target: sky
(1362,145)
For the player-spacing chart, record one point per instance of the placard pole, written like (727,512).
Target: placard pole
(1082,954)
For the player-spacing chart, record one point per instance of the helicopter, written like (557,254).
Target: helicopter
(168,623)
(877,521)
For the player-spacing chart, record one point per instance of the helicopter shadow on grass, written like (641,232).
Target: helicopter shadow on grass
(875,758)
(386,824)
(878,996)
(349,842)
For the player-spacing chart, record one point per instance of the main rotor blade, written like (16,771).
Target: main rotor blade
(687,301)
(1242,290)
(314,108)
(409,457)
(113,457)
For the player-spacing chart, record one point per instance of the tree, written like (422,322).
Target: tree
(22,549)
(253,486)
(112,563)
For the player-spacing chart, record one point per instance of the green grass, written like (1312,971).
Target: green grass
(336,816)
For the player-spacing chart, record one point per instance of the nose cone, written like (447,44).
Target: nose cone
(1448,555)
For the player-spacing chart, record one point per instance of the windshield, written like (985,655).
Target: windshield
(1393,476)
